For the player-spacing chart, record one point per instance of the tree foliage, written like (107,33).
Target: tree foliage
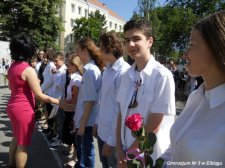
(38,18)
(171,32)
(201,7)
(91,26)
(145,6)
(172,23)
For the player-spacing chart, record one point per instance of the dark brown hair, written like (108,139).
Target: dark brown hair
(111,43)
(49,53)
(93,50)
(59,55)
(212,29)
(139,24)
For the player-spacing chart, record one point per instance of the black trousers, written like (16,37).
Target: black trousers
(67,136)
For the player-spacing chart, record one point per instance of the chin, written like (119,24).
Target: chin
(192,73)
(135,56)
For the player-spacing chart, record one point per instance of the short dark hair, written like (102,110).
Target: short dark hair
(139,24)
(110,42)
(22,48)
(59,55)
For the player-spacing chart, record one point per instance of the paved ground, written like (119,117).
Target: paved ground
(40,155)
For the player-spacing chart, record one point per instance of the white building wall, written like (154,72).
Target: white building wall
(79,8)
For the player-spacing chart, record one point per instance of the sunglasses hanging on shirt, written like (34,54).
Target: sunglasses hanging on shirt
(133,102)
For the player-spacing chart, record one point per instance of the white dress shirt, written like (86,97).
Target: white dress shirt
(109,108)
(58,87)
(198,135)
(89,89)
(37,66)
(156,94)
(46,86)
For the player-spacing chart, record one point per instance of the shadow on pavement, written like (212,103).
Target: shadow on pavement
(3,87)
(3,159)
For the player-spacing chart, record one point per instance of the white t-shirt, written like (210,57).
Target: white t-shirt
(75,80)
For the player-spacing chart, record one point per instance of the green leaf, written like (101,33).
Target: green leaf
(152,138)
(139,135)
(159,163)
(133,163)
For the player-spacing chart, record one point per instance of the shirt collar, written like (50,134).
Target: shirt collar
(216,96)
(74,74)
(63,67)
(148,68)
(88,65)
(117,64)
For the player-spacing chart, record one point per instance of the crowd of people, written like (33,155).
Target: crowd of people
(90,92)
(185,84)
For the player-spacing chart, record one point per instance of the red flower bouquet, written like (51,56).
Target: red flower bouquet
(141,157)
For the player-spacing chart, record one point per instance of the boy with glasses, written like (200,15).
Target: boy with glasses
(146,88)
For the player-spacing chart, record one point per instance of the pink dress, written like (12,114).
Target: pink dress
(21,104)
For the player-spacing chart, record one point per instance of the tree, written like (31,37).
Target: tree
(145,7)
(177,19)
(36,18)
(171,26)
(92,27)
(201,8)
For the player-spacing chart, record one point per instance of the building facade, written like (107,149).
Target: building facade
(73,9)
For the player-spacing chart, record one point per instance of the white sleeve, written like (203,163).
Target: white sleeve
(164,98)
(111,140)
(166,156)
(48,81)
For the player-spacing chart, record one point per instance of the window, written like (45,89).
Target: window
(72,8)
(110,24)
(115,26)
(79,10)
(71,38)
(71,22)
(120,28)
(86,13)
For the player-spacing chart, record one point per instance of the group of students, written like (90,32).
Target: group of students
(109,89)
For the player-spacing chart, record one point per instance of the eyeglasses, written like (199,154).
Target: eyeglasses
(133,102)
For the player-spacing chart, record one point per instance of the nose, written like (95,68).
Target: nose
(131,43)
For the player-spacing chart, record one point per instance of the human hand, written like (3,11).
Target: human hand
(121,159)
(81,130)
(107,150)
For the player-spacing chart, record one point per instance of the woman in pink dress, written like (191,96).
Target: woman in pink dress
(24,85)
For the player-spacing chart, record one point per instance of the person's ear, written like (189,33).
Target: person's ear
(150,41)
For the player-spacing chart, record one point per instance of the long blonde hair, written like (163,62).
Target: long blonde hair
(75,60)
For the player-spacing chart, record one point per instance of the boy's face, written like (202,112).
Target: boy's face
(137,44)
(58,63)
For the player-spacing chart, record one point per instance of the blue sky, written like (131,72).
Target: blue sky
(124,8)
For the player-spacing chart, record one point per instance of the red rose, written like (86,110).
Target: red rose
(134,121)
